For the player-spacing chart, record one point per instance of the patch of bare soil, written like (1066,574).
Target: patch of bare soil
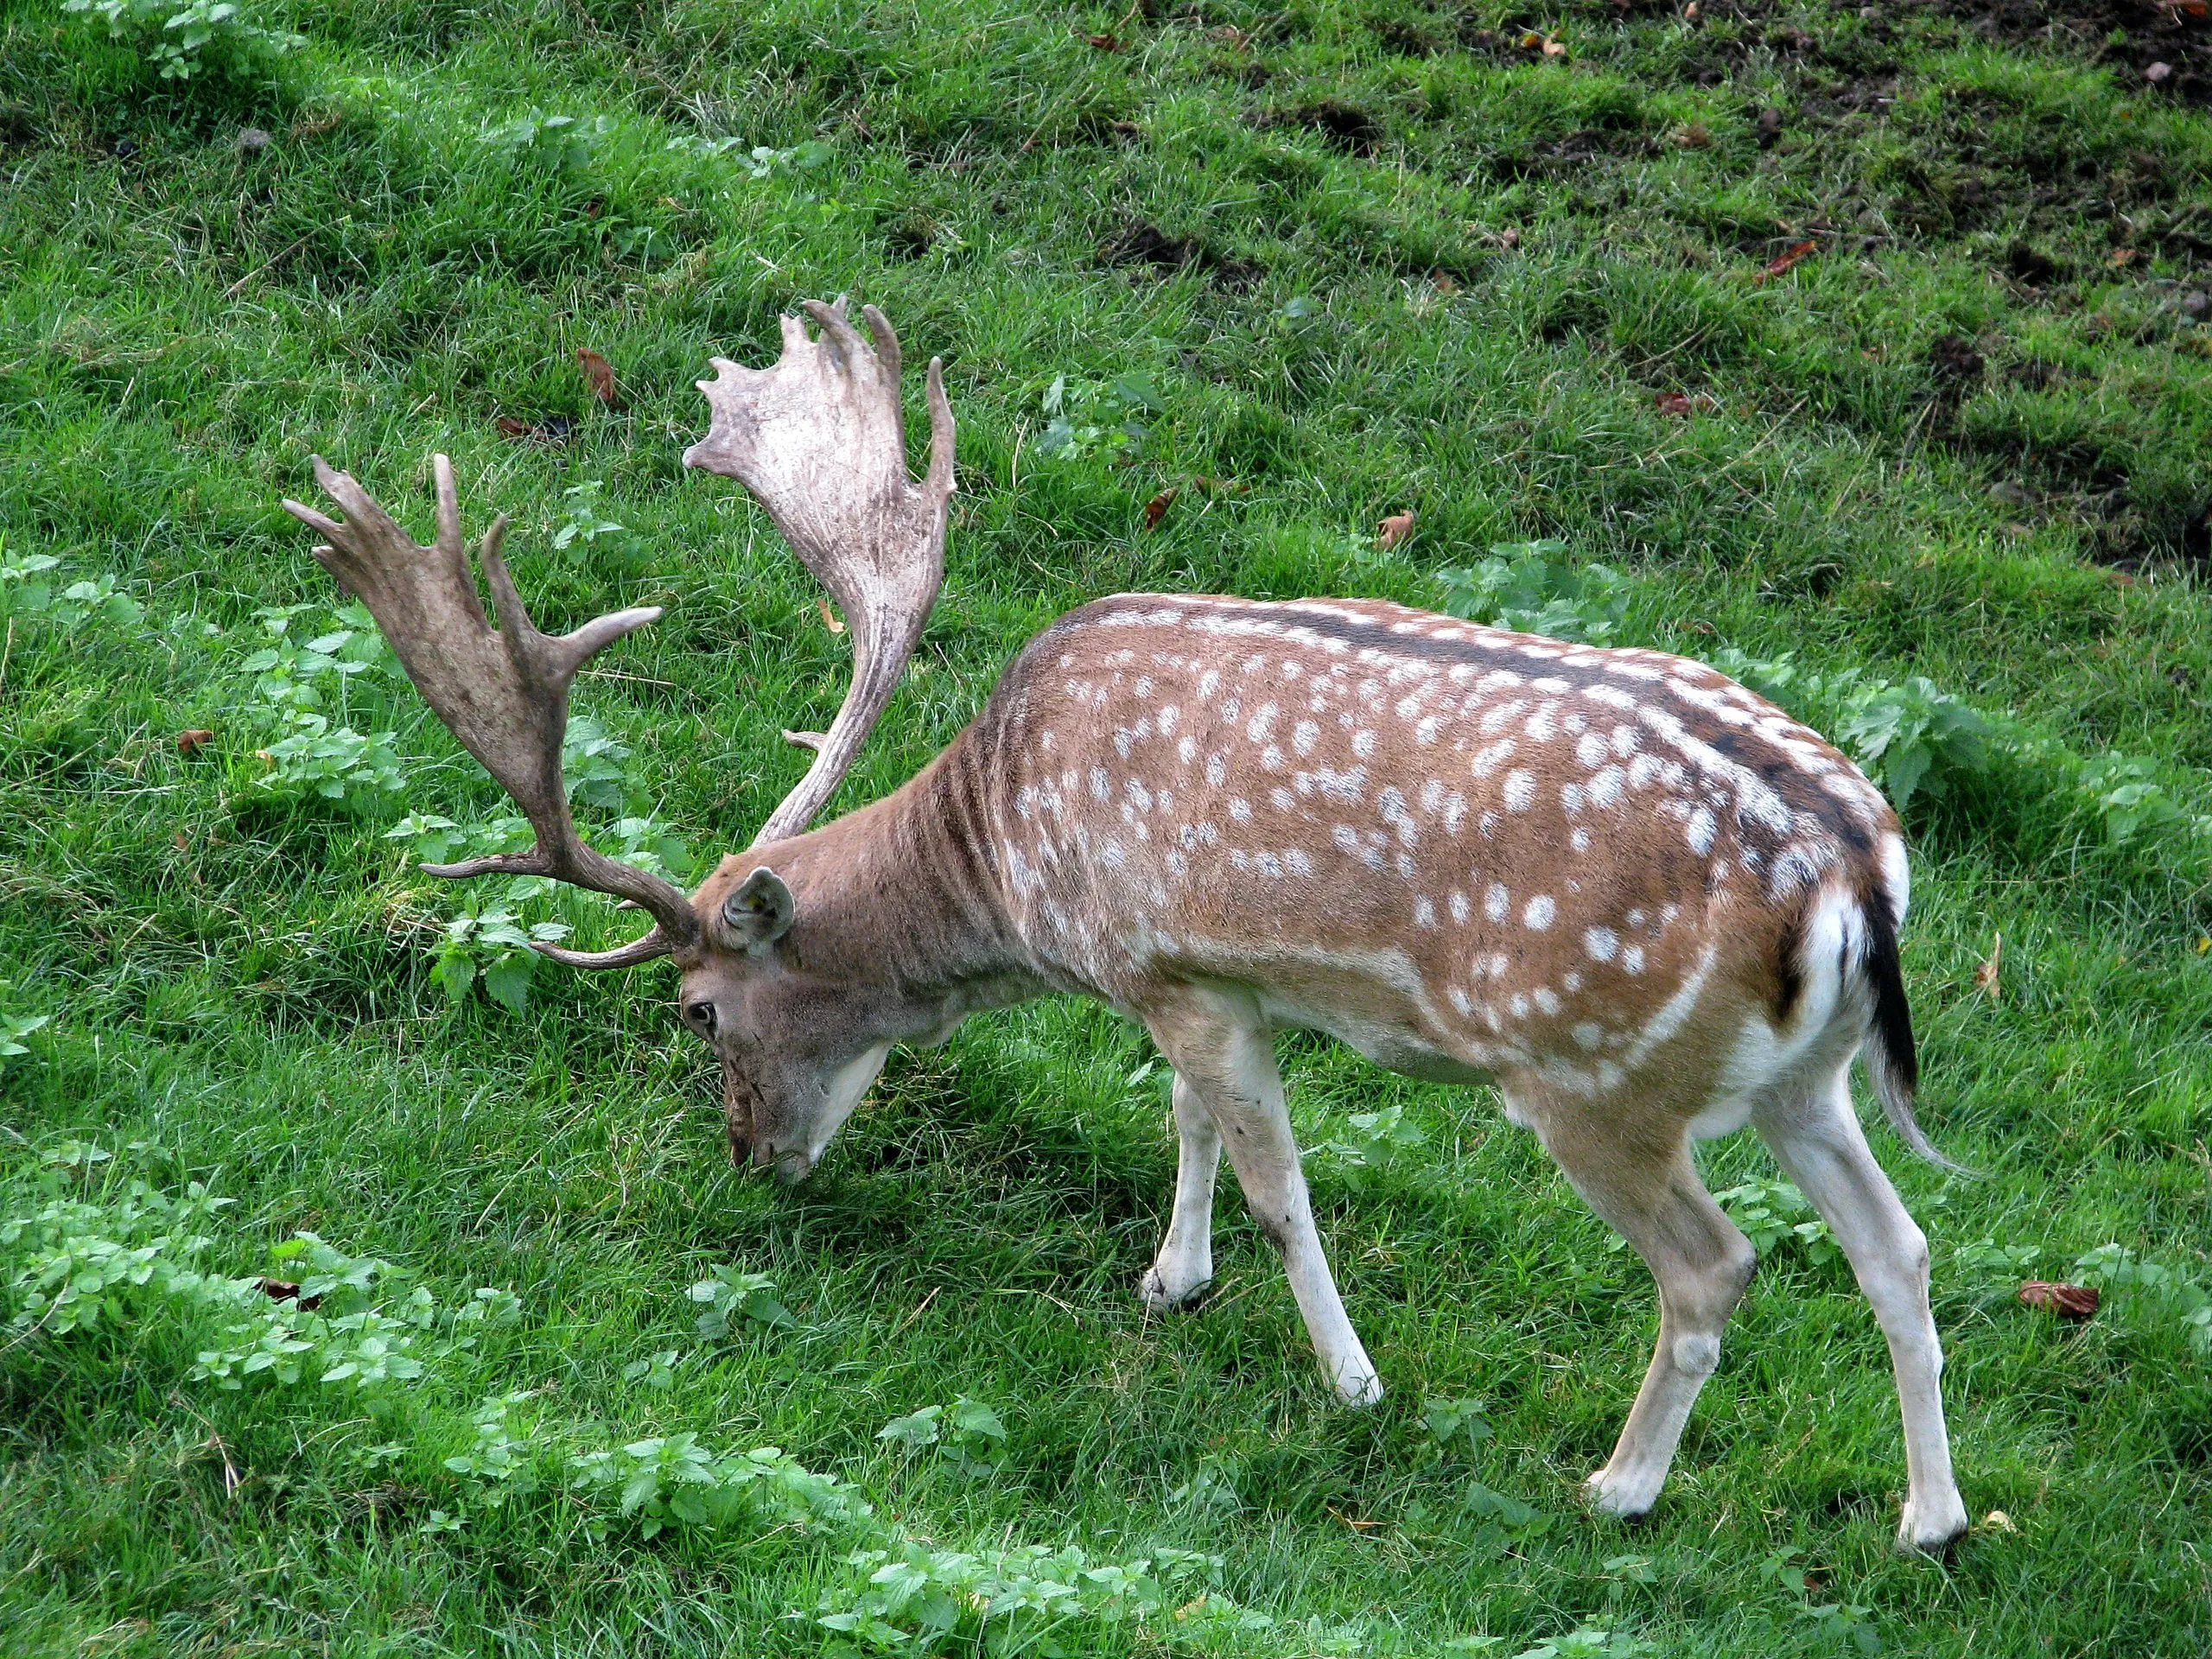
(1346,128)
(1141,243)
(2165,45)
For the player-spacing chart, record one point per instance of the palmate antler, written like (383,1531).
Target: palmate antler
(820,439)
(503,691)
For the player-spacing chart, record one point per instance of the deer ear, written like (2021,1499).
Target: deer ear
(760,910)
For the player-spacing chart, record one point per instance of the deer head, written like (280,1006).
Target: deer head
(820,440)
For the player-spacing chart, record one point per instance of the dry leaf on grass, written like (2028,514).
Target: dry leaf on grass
(191,742)
(1156,509)
(1673,402)
(1394,530)
(1443,281)
(599,375)
(2067,1301)
(284,1290)
(829,618)
(1984,976)
(553,431)
(1788,258)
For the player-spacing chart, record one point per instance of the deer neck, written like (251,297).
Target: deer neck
(902,894)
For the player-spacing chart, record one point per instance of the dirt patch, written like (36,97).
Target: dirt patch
(1345,127)
(1957,366)
(2135,37)
(1141,243)
(1569,153)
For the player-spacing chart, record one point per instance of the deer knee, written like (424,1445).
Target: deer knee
(1698,1353)
(1739,1261)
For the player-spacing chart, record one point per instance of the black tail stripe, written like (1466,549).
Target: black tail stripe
(1892,1013)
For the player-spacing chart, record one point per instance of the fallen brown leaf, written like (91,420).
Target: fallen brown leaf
(2121,256)
(508,427)
(1156,509)
(1509,237)
(1105,42)
(179,842)
(1984,976)
(1395,529)
(2067,1301)
(1788,258)
(829,618)
(1227,34)
(1673,402)
(1443,281)
(190,742)
(599,375)
(284,1290)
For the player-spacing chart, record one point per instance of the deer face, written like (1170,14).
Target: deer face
(798,1049)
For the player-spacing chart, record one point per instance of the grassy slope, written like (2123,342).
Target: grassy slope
(243,995)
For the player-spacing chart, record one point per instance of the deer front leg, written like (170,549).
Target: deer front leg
(1218,1046)
(1179,1274)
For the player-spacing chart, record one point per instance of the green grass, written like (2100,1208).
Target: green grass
(240,989)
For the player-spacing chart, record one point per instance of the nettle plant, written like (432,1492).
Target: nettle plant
(967,1434)
(28,591)
(184,36)
(1100,419)
(292,686)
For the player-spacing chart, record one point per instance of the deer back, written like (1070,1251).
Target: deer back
(1451,845)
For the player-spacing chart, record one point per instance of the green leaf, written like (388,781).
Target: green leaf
(915,1430)
(506,980)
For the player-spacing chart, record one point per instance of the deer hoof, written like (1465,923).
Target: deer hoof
(1359,1387)
(1934,1533)
(1613,1494)
(1158,1295)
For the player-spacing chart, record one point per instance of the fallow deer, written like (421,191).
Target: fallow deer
(1647,905)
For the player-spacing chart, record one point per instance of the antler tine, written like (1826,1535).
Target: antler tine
(820,439)
(503,691)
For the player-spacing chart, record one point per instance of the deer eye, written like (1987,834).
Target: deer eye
(701,1014)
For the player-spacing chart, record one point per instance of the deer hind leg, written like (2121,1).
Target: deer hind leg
(1179,1274)
(1220,1049)
(1816,1137)
(1651,1194)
